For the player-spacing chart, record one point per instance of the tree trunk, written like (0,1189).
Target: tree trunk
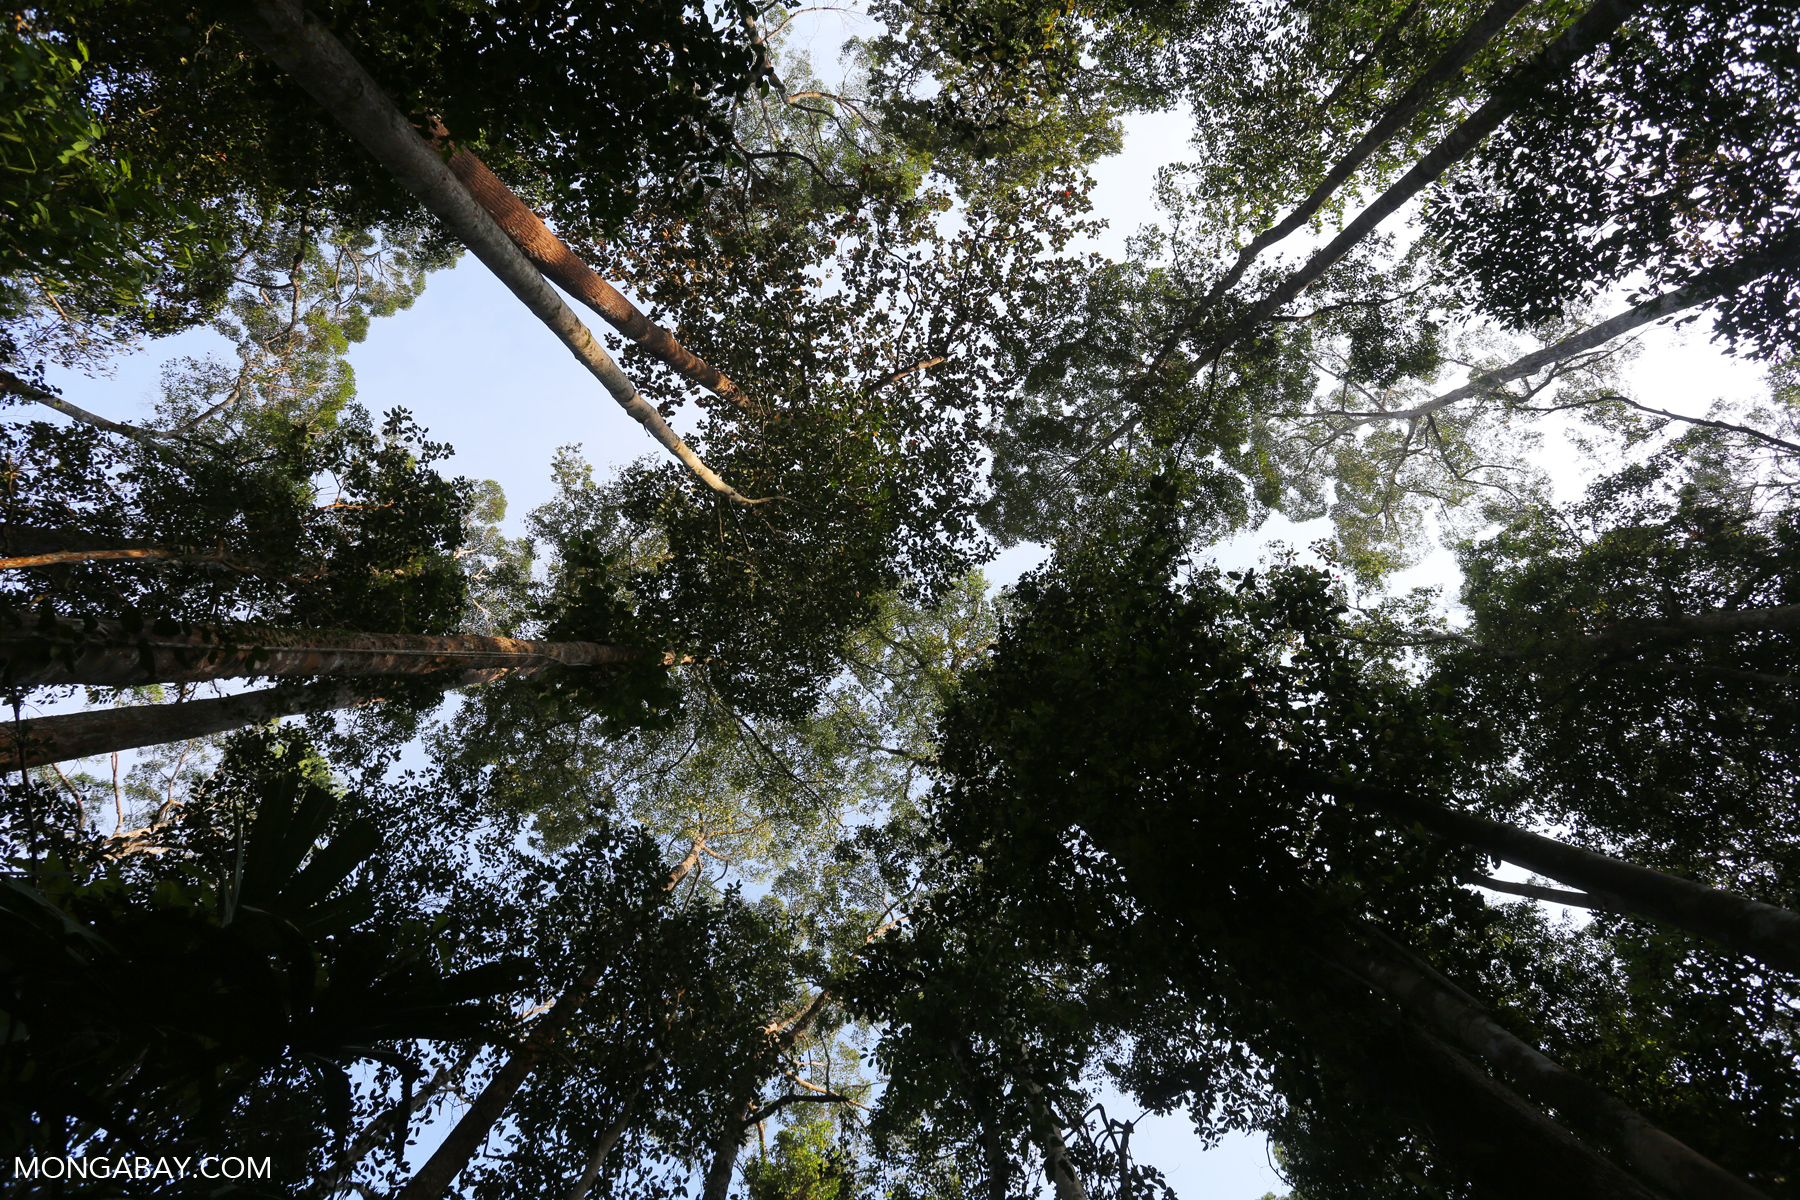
(38,740)
(609,1137)
(319,63)
(110,656)
(389,1123)
(551,255)
(1551,895)
(725,1154)
(1660,1160)
(447,1162)
(1057,1165)
(1483,1126)
(1399,114)
(1708,285)
(1516,89)
(1761,930)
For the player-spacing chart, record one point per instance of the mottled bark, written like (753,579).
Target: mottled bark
(551,255)
(447,1162)
(1059,1168)
(1658,1159)
(1761,930)
(110,656)
(320,64)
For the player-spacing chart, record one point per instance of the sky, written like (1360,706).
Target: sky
(483,375)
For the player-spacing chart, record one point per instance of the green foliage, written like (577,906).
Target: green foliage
(806,1164)
(83,228)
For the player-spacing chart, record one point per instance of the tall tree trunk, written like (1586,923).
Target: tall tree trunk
(388,1123)
(551,255)
(1500,1141)
(1708,285)
(725,1154)
(1058,1167)
(785,1033)
(110,656)
(1761,930)
(609,1137)
(39,740)
(1399,114)
(447,1162)
(34,741)
(319,63)
(1658,1159)
(1517,89)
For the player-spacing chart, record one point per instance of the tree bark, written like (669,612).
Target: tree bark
(609,1137)
(1057,1164)
(551,255)
(1658,1159)
(320,64)
(447,1162)
(388,1123)
(725,1152)
(1398,115)
(1494,1135)
(1513,92)
(112,657)
(1760,930)
(1551,895)
(18,387)
(1708,285)
(39,740)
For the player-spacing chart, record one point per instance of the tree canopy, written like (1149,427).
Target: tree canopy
(715,829)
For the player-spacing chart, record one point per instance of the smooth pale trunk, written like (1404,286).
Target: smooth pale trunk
(609,1137)
(551,255)
(296,41)
(34,741)
(1057,1164)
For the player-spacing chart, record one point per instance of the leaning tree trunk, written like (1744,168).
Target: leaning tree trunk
(1659,1159)
(447,1162)
(389,1124)
(34,741)
(609,1137)
(321,64)
(109,655)
(737,1122)
(1500,1141)
(1761,930)
(551,255)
